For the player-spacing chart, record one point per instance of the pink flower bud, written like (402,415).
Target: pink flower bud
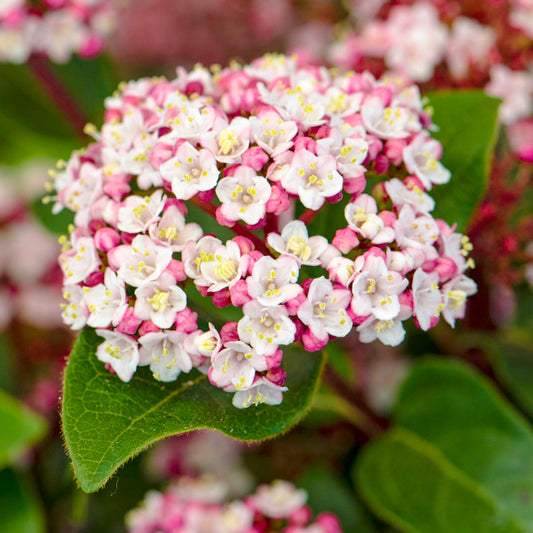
(129,323)
(444,266)
(312,343)
(384,93)
(245,245)
(221,298)
(381,164)
(329,523)
(294,304)
(91,47)
(106,238)
(174,202)
(278,376)
(186,320)
(345,240)
(388,217)
(301,516)
(393,150)
(160,153)
(117,186)
(374,148)
(148,327)
(176,269)
(255,157)
(274,360)
(206,196)
(229,333)
(305,143)
(239,293)
(278,202)
(355,185)
(251,259)
(94,278)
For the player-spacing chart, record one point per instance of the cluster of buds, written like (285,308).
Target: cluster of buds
(194,505)
(262,149)
(55,28)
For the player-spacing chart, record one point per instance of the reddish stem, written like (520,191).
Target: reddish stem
(272,224)
(56,92)
(210,209)
(308,216)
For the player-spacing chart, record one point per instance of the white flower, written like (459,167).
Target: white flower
(120,351)
(385,123)
(362,217)
(195,254)
(376,288)
(74,311)
(273,281)
(416,232)
(266,327)
(279,499)
(228,141)
(324,311)
(223,268)
(80,261)
(165,354)
(172,231)
(295,241)
(420,157)
(138,213)
(427,298)
(262,391)
(313,178)
(204,343)
(82,193)
(244,195)
(106,301)
(141,262)
(234,367)
(389,332)
(159,301)
(272,133)
(400,194)
(137,161)
(455,294)
(190,171)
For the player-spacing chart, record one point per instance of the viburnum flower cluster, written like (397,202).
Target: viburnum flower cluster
(55,28)
(262,149)
(195,506)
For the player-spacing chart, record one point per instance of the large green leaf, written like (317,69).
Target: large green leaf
(463,448)
(468,124)
(20,428)
(412,486)
(106,421)
(20,510)
(513,363)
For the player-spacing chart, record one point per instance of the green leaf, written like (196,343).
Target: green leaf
(513,363)
(463,452)
(20,509)
(468,125)
(21,428)
(57,223)
(106,421)
(412,486)
(329,494)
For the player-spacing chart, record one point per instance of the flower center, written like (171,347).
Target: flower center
(159,300)
(227,141)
